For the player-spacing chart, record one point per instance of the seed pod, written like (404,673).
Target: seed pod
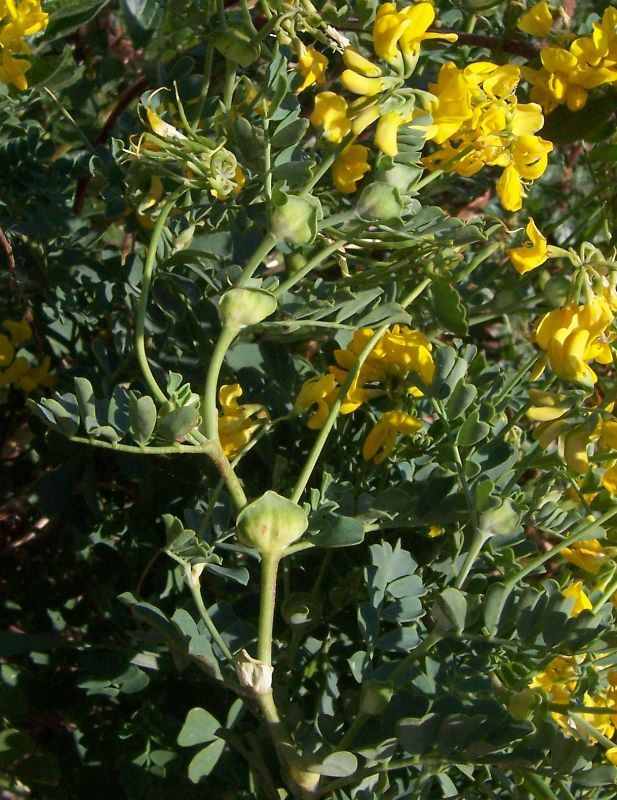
(294,220)
(379,202)
(241,307)
(270,523)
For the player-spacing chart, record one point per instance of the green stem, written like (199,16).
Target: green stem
(267,598)
(146,281)
(194,586)
(227,473)
(609,591)
(209,406)
(205,83)
(355,727)
(327,163)
(567,708)
(230,84)
(536,562)
(173,449)
(589,729)
(261,251)
(313,262)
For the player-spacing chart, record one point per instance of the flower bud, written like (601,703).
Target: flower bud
(252,673)
(379,202)
(294,220)
(241,307)
(375,697)
(270,523)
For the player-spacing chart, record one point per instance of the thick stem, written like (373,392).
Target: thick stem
(209,406)
(269,570)
(261,251)
(140,322)
(193,584)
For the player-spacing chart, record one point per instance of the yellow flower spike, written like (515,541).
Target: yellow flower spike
(361,119)
(545,413)
(19,331)
(529,154)
(360,64)
(7,351)
(538,21)
(527,118)
(609,434)
(587,554)
(350,167)
(532,255)
(510,189)
(556,59)
(387,132)
(576,591)
(381,440)
(360,84)
(312,66)
(330,113)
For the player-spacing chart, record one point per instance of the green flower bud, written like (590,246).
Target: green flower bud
(301,609)
(270,523)
(379,202)
(375,697)
(294,219)
(241,307)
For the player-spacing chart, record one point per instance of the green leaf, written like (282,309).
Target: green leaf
(199,727)
(142,416)
(340,532)
(142,18)
(206,760)
(336,765)
(418,735)
(237,45)
(472,431)
(67,421)
(177,423)
(461,398)
(448,308)
(13,745)
(289,133)
(493,605)
(71,16)
(450,610)
(597,776)
(55,72)
(603,152)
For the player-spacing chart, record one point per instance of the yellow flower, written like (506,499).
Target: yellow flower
(571,337)
(611,755)
(577,592)
(330,113)
(386,133)
(235,424)
(510,189)
(13,70)
(526,258)
(20,331)
(538,21)
(321,392)
(312,66)
(398,35)
(350,167)
(380,442)
(609,479)
(586,554)
(162,128)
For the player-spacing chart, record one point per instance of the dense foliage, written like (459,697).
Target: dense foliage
(307,386)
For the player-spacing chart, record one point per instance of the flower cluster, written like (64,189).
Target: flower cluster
(381,96)
(391,371)
(478,121)
(16,370)
(18,19)
(567,75)
(237,423)
(574,335)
